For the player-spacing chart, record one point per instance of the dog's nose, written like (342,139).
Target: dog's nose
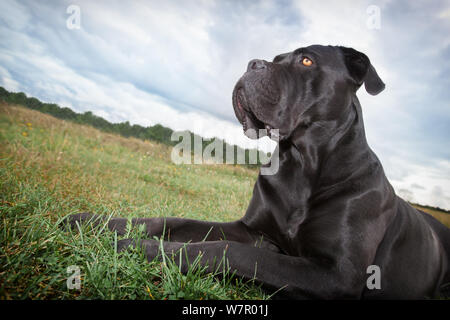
(256,64)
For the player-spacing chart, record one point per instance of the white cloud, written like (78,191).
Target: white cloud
(14,14)
(7,81)
(434,182)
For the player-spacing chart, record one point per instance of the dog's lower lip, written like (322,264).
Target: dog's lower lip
(239,104)
(245,113)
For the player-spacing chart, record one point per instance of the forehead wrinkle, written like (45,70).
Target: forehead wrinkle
(298,51)
(307,51)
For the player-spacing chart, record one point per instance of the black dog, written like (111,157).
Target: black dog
(329,212)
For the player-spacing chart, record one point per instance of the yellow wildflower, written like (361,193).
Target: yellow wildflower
(149,293)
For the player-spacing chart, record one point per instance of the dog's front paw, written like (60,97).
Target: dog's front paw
(80,218)
(150,247)
(125,244)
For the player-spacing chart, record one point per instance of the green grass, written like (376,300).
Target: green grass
(442,216)
(50,168)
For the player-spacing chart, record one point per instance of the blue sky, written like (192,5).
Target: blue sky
(176,62)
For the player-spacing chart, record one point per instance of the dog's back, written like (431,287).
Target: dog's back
(412,234)
(443,234)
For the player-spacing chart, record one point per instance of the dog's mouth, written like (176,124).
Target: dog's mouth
(248,118)
(246,113)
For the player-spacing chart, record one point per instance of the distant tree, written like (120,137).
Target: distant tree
(4,94)
(18,98)
(34,103)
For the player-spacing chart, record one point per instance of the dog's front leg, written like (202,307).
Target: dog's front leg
(185,230)
(295,277)
(175,229)
(116,224)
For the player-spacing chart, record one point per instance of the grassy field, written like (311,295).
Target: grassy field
(50,168)
(443,217)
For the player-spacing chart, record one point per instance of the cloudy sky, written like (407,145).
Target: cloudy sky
(176,62)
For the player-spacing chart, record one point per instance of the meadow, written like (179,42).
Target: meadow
(50,168)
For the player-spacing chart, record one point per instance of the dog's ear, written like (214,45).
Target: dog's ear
(362,71)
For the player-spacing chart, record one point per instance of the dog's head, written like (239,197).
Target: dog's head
(311,84)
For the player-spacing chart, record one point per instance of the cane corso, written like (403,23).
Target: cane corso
(314,227)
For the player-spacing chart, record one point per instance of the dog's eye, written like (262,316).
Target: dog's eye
(307,62)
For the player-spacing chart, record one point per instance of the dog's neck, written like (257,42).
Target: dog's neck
(314,168)
(320,144)
(329,151)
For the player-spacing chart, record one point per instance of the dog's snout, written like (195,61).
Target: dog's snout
(256,64)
